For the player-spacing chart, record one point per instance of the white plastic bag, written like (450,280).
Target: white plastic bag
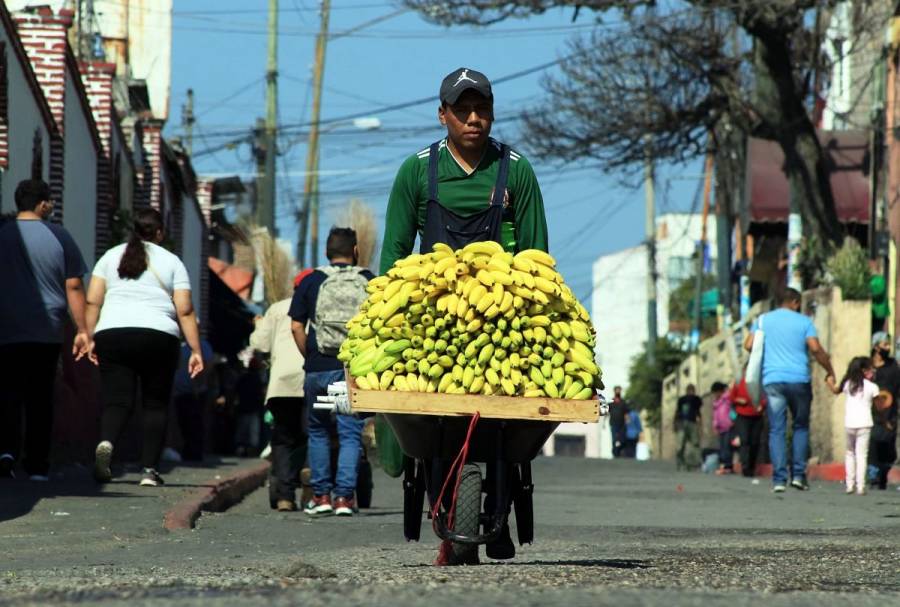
(642,453)
(753,375)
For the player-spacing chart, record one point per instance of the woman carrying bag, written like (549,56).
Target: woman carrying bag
(139,297)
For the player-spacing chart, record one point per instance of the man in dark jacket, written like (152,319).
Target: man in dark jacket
(883,446)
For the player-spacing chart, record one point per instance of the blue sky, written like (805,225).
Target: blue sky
(219,50)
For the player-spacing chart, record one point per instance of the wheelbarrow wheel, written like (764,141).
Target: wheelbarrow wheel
(467,519)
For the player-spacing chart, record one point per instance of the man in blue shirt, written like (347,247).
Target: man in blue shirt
(324,302)
(41,275)
(789,338)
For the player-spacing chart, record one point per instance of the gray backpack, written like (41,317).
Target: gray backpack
(338,301)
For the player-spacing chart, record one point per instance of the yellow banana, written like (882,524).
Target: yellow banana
(538,256)
(551,389)
(499,264)
(488,247)
(503,278)
(507,386)
(485,277)
(440,247)
(386,379)
(523,264)
(477,385)
(491,377)
(507,302)
(475,294)
(410,260)
(363,383)
(547,286)
(445,263)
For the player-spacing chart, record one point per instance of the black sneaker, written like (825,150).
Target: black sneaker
(502,548)
(151,478)
(800,484)
(7,466)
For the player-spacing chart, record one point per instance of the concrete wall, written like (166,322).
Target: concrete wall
(619,300)
(192,235)
(81,175)
(137,37)
(25,119)
(844,330)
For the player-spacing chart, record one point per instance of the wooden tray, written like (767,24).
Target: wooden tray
(496,407)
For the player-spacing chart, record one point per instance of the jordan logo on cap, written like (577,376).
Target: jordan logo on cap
(464,76)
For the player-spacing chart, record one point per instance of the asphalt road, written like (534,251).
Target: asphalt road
(617,533)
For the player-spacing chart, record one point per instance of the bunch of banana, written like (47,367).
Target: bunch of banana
(478,320)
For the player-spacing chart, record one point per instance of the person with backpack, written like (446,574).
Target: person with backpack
(324,302)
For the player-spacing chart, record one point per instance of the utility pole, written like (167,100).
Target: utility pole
(697,331)
(265,210)
(650,228)
(310,220)
(187,121)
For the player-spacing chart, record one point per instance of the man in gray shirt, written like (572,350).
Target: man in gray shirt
(41,276)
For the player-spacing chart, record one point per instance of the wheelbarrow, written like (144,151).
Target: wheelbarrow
(506,435)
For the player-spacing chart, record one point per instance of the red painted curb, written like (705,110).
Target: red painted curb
(217,496)
(820,472)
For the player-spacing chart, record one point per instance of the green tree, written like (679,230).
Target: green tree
(681,306)
(669,78)
(645,381)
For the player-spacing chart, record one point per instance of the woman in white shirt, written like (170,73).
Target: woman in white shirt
(860,392)
(139,297)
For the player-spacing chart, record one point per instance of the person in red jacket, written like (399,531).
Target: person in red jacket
(749,424)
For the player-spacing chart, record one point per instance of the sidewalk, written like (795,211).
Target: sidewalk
(72,509)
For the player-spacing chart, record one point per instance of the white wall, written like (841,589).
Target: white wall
(24,117)
(147,24)
(619,301)
(192,247)
(80,192)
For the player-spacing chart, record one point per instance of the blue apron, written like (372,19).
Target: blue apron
(443,225)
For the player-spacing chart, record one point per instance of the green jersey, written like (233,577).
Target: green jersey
(464,194)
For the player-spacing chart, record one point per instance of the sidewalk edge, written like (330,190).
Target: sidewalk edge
(217,496)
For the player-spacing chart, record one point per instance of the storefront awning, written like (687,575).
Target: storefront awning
(770,192)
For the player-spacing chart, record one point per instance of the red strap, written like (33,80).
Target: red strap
(444,552)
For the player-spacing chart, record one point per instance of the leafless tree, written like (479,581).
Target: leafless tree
(666,83)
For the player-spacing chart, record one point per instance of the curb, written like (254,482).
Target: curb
(217,496)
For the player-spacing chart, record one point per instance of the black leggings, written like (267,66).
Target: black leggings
(27,376)
(126,356)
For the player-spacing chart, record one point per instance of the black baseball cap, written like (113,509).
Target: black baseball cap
(461,80)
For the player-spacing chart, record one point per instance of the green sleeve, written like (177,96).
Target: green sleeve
(401,219)
(531,222)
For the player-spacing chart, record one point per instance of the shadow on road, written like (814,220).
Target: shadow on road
(18,498)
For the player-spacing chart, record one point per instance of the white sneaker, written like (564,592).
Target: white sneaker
(102,459)
(151,478)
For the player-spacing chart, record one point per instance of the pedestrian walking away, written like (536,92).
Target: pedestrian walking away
(883,444)
(790,337)
(749,426)
(618,409)
(465,188)
(41,274)
(633,429)
(190,397)
(723,423)
(139,297)
(860,393)
(325,301)
(284,399)
(687,429)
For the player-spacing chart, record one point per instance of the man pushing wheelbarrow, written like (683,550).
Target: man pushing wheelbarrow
(474,349)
